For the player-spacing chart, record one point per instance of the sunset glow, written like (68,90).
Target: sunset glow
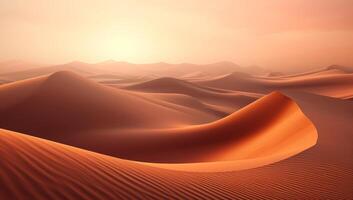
(266,33)
(274,34)
(188,99)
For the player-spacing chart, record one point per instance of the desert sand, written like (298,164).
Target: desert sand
(329,84)
(98,133)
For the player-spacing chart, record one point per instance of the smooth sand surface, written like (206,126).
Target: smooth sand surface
(174,139)
(273,126)
(90,123)
(18,71)
(233,100)
(33,168)
(63,103)
(330,83)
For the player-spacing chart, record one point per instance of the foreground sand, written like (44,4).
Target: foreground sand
(33,168)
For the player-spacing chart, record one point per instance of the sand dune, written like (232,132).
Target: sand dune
(163,69)
(104,77)
(334,81)
(281,130)
(3,81)
(194,103)
(84,69)
(39,169)
(217,97)
(11,66)
(108,130)
(330,84)
(330,70)
(65,102)
(176,139)
(126,70)
(122,69)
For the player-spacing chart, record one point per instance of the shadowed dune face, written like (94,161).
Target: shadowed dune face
(271,128)
(65,102)
(194,103)
(213,96)
(33,168)
(109,121)
(170,129)
(334,81)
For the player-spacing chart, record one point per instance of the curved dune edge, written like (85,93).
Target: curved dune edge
(305,137)
(266,131)
(34,168)
(286,134)
(224,166)
(270,129)
(16,147)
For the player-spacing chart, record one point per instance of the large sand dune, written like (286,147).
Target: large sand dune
(271,128)
(106,120)
(39,169)
(218,97)
(64,102)
(176,139)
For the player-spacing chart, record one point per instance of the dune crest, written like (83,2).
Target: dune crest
(107,120)
(270,129)
(327,82)
(217,97)
(271,138)
(65,102)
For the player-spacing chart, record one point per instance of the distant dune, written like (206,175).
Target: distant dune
(331,84)
(122,69)
(330,70)
(213,96)
(17,65)
(110,121)
(194,103)
(176,131)
(65,102)
(334,81)
(84,69)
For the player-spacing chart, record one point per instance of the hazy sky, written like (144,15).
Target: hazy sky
(269,33)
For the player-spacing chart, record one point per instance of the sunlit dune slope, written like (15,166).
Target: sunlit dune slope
(266,131)
(271,128)
(33,168)
(64,102)
(109,121)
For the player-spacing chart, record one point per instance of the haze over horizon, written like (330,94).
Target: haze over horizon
(189,99)
(279,35)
